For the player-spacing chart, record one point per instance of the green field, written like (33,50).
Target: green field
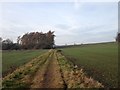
(100,61)
(13,59)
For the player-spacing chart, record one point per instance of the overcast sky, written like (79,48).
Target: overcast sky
(83,22)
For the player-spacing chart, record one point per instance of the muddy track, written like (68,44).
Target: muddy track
(49,75)
(52,76)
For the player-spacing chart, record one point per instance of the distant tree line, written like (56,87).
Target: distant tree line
(8,45)
(32,40)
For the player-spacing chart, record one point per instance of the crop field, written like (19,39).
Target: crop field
(85,66)
(13,59)
(98,60)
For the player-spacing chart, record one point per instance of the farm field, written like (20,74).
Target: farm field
(97,67)
(98,60)
(49,70)
(13,59)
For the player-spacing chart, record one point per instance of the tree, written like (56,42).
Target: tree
(7,44)
(50,39)
(37,40)
(15,46)
(0,43)
(0,39)
(118,37)
(18,40)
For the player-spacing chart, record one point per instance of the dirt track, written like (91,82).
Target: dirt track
(49,76)
(50,70)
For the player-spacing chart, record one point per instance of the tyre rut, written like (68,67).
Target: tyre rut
(49,75)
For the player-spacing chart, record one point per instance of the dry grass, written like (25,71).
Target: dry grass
(74,77)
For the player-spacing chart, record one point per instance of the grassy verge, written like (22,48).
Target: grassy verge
(74,77)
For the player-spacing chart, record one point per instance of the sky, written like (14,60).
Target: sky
(73,22)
